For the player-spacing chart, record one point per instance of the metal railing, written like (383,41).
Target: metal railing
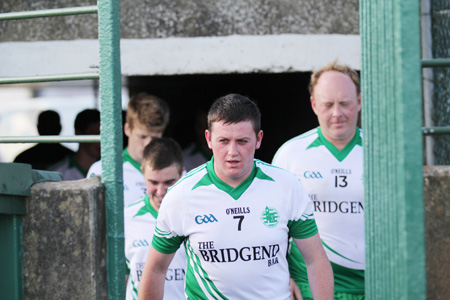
(436,63)
(109,76)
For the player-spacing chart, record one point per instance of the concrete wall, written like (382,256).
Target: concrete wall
(186,37)
(437,234)
(64,254)
(143,19)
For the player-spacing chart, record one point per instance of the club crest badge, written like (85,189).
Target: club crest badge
(269,217)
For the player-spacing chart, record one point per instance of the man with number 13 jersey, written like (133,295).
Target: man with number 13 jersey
(328,160)
(336,179)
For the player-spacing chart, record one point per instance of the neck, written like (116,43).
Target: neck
(340,144)
(84,159)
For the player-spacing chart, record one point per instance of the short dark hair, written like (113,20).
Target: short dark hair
(49,123)
(161,153)
(86,118)
(234,108)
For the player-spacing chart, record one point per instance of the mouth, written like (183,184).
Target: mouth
(233,163)
(338,123)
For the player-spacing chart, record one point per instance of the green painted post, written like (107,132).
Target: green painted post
(11,276)
(15,183)
(391,97)
(111,142)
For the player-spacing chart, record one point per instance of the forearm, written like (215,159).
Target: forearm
(320,274)
(153,278)
(151,286)
(321,281)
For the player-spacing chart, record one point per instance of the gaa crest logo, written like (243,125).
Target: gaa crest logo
(269,217)
(205,219)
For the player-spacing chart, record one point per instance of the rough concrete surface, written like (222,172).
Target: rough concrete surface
(142,19)
(64,241)
(437,230)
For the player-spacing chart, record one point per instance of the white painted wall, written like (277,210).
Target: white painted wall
(172,56)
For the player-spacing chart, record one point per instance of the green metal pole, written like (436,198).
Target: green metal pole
(45,78)
(436,63)
(48,13)
(391,115)
(51,139)
(111,141)
(436,130)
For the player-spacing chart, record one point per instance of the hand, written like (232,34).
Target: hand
(295,291)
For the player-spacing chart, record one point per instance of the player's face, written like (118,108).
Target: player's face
(158,181)
(336,104)
(233,147)
(138,137)
(93,149)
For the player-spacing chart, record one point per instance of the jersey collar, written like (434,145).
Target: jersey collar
(339,154)
(147,208)
(235,192)
(127,157)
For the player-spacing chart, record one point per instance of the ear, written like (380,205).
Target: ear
(313,104)
(259,139)
(208,138)
(359,102)
(127,129)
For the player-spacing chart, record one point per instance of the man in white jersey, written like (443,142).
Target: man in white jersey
(328,160)
(147,117)
(162,165)
(234,214)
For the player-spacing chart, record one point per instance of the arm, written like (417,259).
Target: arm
(320,274)
(154,275)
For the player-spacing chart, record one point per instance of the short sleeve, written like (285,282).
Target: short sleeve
(168,235)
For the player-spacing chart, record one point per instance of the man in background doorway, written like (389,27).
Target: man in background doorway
(147,117)
(328,160)
(44,155)
(75,166)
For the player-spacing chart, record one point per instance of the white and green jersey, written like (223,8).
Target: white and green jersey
(133,179)
(236,238)
(69,168)
(334,181)
(140,220)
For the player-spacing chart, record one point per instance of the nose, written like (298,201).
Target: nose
(337,111)
(232,149)
(161,190)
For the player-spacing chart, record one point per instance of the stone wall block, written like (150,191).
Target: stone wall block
(64,241)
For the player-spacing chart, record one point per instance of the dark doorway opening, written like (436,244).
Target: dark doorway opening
(282,98)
